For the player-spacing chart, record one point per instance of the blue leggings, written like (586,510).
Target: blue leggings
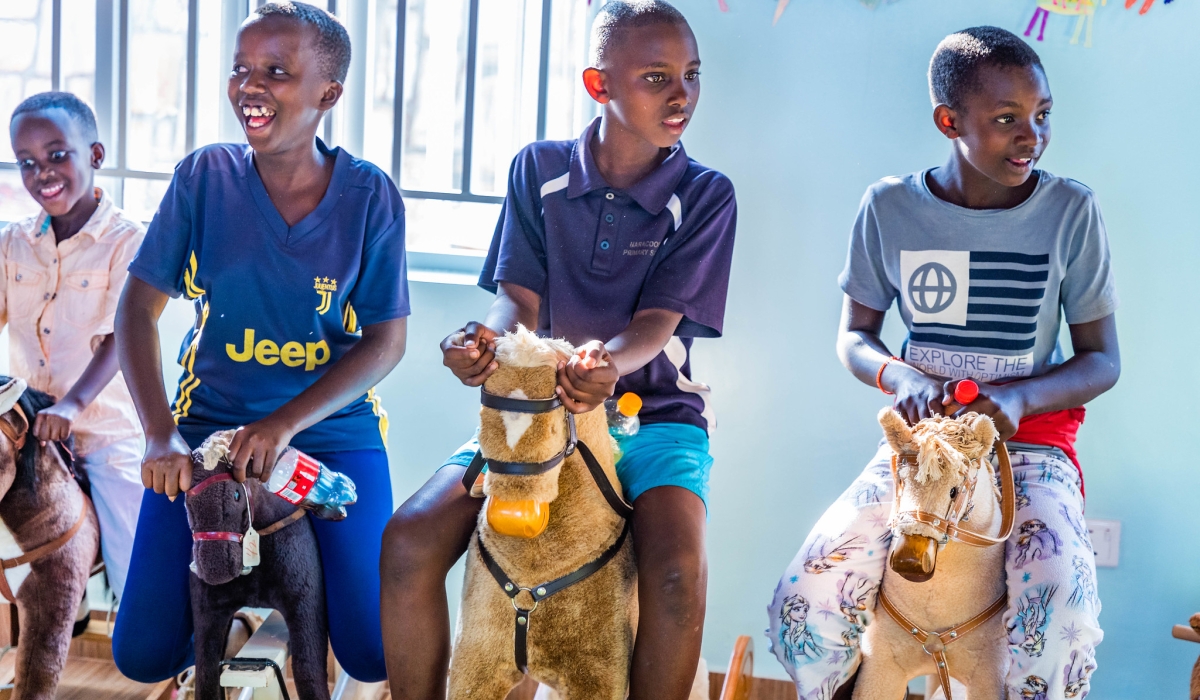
(153,636)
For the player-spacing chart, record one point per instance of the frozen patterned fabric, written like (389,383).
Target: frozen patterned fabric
(1051,620)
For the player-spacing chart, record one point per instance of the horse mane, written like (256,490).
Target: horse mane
(31,402)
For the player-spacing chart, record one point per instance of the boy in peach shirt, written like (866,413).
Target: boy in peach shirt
(63,273)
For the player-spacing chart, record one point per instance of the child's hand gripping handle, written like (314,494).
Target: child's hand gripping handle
(965,392)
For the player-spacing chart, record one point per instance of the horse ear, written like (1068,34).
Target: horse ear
(897,432)
(985,431)
(17,420)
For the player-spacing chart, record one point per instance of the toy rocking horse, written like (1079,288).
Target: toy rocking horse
(551,586)
(227,575)
(55,527)
(945,577)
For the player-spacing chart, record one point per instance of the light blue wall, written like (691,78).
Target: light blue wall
(803,116)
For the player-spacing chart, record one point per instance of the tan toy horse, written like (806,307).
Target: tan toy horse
(551,587)
(944,587)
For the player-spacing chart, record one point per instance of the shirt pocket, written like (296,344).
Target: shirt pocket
(25,289)
(82,296)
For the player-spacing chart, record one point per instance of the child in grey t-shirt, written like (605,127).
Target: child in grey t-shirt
(985,256)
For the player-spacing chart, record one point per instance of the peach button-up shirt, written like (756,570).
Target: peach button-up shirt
(59,301)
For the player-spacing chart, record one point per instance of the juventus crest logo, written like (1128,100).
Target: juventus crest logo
(325,288)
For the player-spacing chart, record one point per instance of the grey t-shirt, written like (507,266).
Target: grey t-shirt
(982,292)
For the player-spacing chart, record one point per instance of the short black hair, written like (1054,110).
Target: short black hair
(75,108)
(333,43)
(616,15)
(954,68)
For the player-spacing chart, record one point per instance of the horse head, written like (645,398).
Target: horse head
(218,511)
(526,446)
(19,453)
(936,468)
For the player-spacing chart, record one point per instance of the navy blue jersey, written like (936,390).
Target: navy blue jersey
(596,255)
(276,306)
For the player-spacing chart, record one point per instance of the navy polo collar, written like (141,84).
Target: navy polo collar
(651,192)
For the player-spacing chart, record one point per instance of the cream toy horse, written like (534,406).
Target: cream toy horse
(945,577)
(551,586)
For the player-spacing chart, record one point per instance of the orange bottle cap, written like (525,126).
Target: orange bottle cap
(629,404)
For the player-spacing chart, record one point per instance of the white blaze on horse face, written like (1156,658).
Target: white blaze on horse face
(9,549)
(515,424)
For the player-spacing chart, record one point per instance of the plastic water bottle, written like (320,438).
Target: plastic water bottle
(623,419)
(309,484)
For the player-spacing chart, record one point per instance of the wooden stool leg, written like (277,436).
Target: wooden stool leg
(739,680)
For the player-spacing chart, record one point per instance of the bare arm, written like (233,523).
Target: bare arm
(256,447)
(470,351)
(56,422)
(1092,370)
(167,465)
(863,352)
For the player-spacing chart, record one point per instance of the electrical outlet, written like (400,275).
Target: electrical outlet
(1106,541)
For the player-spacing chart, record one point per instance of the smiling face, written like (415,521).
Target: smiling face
(649,81)
(1003,127)
(277,86)
(57,161)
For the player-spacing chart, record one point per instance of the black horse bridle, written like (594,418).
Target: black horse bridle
(534,407)
(542,591)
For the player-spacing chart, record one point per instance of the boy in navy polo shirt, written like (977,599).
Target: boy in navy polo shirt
(294,256)
(984,256)
(621,244)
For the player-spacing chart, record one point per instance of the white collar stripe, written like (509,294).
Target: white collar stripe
(676,208)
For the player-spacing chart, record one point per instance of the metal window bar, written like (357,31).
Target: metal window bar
(193,48)
(56,45)
(465,195)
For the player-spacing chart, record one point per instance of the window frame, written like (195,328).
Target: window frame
(111,87)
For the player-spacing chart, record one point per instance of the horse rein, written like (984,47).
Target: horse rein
(542,591)
(535,407)
(935,643)
(18,443)
(237,537)
(948,525)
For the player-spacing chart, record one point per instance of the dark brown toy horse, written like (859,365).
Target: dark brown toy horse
(53,523)
(288,578)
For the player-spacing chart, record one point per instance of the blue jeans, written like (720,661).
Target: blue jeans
(153,636)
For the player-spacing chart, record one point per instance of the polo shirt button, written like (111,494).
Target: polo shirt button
(46,331)
(18,276)
(46,296)
(603,245)
(83,283)
(608,218)
(610,195)
(41,363)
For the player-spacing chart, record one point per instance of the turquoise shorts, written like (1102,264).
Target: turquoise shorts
(661,454)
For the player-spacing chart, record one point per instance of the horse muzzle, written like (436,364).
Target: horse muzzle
(914,557)
(524,519)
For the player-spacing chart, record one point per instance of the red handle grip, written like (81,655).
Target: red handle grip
(966,391)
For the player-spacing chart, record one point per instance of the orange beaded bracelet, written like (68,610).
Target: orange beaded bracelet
(879,374)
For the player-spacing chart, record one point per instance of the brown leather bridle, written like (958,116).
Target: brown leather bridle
(947,524)
(935,643)
(18,443)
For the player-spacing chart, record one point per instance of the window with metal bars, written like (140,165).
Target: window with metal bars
(476,80)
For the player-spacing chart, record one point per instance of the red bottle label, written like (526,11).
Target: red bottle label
(304,475)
